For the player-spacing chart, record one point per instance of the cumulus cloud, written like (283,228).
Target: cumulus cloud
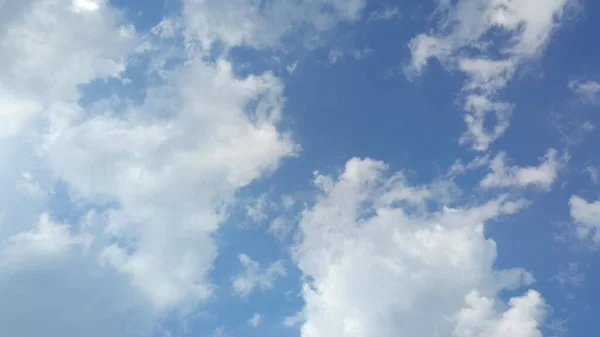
(172,171)
(158,175)
(255,277)
(43,64)
(376,265)
(480,318)
(49,263)
(470,32)
(586,216)
(542,176)
(155,179)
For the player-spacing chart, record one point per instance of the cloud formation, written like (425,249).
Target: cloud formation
(541,176)
(487,41)
(254,277)
(110,203)
(586,217)
(155,178)
(374,264)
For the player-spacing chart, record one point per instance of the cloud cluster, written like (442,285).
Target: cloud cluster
(487,41)
(108,209)
(155,178)
(375,264)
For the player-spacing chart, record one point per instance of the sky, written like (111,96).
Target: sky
(299,168)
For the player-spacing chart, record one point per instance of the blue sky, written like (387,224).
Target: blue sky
(313,168)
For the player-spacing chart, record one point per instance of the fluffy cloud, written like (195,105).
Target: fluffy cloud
(481,318)
(44,61)
(157,176)
(469,33)
(49,266)
(43,64)
(587,218)
(172,165)
(541,176)
(254,276)
(377,262)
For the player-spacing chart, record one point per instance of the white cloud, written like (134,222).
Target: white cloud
(44,61)
(161,174)
(464,42)
(290,321)
(338,54)
(242,22)
(49,266)
(86,5)
(254,276)
(172,170)
(458,168)
(478,107)
(481,318)
(374,267)
(255,320)
(542,176)
(588,91)
(586,216)
(47,240)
